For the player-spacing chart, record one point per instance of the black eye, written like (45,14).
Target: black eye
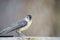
(30,17)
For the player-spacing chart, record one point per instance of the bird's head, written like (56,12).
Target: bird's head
(28,18)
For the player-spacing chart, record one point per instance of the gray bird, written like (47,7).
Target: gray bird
(19,26)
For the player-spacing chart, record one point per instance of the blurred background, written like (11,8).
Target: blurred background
(45,13)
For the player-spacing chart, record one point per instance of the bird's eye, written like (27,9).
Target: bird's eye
(29,17)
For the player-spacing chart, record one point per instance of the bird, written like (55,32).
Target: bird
(19,26)
(26,22)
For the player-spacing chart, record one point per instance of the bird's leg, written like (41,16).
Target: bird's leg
(20,34)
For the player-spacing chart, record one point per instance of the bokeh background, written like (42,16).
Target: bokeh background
(45,13)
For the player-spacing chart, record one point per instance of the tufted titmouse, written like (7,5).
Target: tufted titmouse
(19,26)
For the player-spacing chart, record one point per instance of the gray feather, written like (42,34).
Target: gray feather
(14,26)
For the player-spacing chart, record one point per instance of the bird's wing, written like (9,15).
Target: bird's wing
(14,26)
